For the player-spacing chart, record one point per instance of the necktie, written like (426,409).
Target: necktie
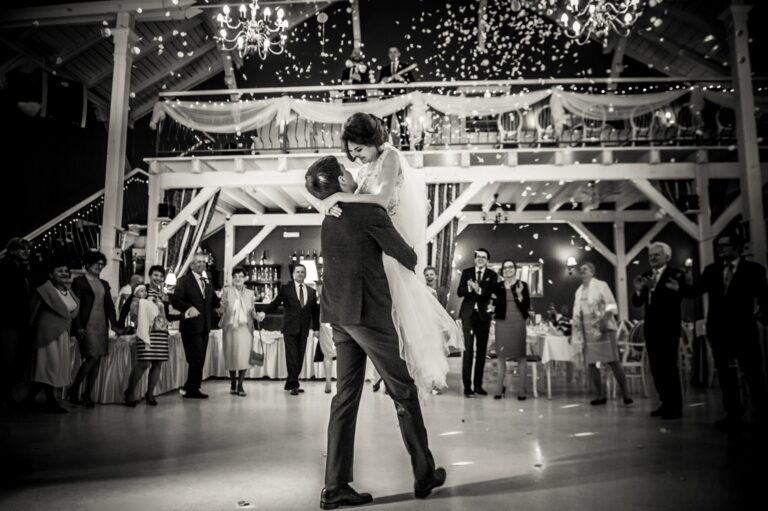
(301,294)
(728,276)
(393,68)
(479,276)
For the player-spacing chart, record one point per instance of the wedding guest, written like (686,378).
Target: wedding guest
(237,313)
(193,297)
(52,308)
(441,292)
(92,324)
(476,286)
(301,313)
(393,73)
(354,73)
(594,325)
(661,291)
(151,344)
(511,305)
(14,302)
(736,289)
(126,292)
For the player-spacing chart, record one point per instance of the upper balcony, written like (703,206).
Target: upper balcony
(534,119)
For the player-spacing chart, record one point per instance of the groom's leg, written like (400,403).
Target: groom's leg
(469,353)
(382,348)
(350,376)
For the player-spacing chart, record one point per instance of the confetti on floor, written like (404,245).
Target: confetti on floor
(451,433)
(571,406)
(462,463)
(586,433)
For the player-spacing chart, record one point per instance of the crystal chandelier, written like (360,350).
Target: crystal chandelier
(600,18)
(253,32)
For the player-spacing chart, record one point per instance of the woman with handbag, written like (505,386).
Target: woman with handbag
(594,324)
(152,335)
(237,314)
(511,304)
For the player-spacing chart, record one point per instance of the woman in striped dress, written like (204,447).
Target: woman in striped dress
(151,355)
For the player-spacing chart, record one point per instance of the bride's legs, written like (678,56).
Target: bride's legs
(501,369)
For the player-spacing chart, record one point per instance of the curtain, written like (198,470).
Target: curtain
(441,250)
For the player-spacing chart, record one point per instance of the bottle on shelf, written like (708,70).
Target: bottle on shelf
(314,255)
(263,259)
(294,258)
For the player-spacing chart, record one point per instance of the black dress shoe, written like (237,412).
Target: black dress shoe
(729,425)
(294,392)
(468,392)
(672,415)
(598,402)
(127,401)
(346,496)
(658,412)
(195,394)
(628,401)
(150,400)
(422,490)
(481,391)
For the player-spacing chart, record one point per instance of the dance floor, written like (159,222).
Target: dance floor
(266,451)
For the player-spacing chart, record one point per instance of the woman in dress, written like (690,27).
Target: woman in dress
(52,308)
(594,324)
(237,313)
(511,307)
(96,314)
(425,329)
(152,354)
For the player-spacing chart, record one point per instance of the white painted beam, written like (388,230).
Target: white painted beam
(595,216)
(564,195)
(620,249)
(490,191)
(279,197)
(185,214)
(153,228)
(253,244)
(660,200)
(245,200)
(727,216)
(647,239)
(454,209)
(229,250)
(590,238)
(173,68)
(279,219)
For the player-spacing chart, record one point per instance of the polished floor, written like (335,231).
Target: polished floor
(266,451)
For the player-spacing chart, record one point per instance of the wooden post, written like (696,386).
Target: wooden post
(706,249)
(229,250)
(746,131)
(620,249)
(116,143)
(153,229)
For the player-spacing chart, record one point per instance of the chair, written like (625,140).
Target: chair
(545,127)
(631,342)
(594,128)
(726,125)
(642,127)
(528,129)
(689,125)
(508,125)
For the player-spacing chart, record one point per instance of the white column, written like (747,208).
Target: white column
(620,249)
(356,32)
(746,131)
(229,250)
(706,249)
(116,143)
(155,196)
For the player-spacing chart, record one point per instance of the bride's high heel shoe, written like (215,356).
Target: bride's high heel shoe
(503,391)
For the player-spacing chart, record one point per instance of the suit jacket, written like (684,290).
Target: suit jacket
(84,293)
(14,300)
(48,316)
(500,302)
(386,71)
(663,312)
(490,279)
(355,288)
(297,320)
(187,294)
(733,310)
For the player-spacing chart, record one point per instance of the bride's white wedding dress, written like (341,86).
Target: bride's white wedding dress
(426,331)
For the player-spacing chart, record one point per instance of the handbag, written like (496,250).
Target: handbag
(257,359)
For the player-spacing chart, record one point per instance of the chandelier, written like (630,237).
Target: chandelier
(253,32)
(600,18)
(496,214)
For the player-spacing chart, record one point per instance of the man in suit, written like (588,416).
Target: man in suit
(476,287)
(661,291)
(14,311)
(194,298)
(388,74)
(736,290)
(301,313)
(441,292)
(357,303)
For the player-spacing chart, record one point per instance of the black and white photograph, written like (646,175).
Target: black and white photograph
(383,254)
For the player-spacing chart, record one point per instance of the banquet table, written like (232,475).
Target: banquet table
(115,368)
(551,348)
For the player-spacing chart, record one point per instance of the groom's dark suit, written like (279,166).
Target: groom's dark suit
(357,303)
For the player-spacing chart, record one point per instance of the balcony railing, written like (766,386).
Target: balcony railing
(676,124)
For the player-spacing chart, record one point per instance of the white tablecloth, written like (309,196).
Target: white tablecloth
(553,348)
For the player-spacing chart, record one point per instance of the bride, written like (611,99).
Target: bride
(425,330)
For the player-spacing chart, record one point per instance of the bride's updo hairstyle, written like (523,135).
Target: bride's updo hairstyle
(363,129)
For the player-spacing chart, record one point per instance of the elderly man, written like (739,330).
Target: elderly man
(661,291)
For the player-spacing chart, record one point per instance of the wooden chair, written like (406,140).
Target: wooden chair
(689,125)
(642,127)
(508,125)
(594,130)
(545,127)
(726,125)
(528,132)
(632,354)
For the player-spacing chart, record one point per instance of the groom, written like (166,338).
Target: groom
(357,303)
